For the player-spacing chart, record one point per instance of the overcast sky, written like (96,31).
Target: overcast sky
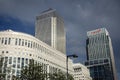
(79,16)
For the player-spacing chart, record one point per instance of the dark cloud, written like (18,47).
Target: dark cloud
(8,22)
(79,16)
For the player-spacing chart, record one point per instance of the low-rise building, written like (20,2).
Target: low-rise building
(18,48)
(81,72)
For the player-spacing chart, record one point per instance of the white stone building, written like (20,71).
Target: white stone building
(18,48)
(81,72)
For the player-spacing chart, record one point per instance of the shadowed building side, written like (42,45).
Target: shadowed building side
(50,29)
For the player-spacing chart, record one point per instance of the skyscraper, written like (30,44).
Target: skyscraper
(100,58)
(50,29)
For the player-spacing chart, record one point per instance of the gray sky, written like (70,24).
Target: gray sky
(79,16)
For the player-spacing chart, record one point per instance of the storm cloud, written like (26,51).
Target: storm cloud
(79,16)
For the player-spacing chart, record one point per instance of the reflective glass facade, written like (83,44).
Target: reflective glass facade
(100,55)
(50,29)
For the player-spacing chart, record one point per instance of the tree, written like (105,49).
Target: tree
(15,77)
(57,76)
(2,75)
(70,77)
(33,71)
(60,76)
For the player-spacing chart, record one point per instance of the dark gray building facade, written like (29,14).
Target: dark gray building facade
(100,58)
(50,29)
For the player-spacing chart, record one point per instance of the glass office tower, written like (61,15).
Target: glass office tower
(50,29)
(100,58)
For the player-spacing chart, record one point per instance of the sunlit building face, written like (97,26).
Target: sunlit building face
(17,49)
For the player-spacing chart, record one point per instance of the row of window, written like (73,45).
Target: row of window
(17,63)
(99,38)
(77,69)
(26,43)
(29,54)
(19,42)
(97,62)
(98,52)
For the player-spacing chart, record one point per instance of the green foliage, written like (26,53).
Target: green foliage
(60,76)
(33,71)
(2,75)
(70,77)
(15,78)
(36,71)
(57,76)
(1,63)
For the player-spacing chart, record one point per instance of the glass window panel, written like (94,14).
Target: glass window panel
(9,40)
(14,60)
(19,41)
(18,65)
(96,62)
(18,59)
(22,42)
(2,40)
(16,41)
(14,65)
(10,60)
(5,41)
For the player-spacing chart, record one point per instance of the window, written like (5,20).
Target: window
(22,42)
(18,72)
(14,66)
(13,71)
(10,60)
(34,45)
(30,54)
(91,62)
(18,59)
(18,65)
(9,40)
(6,51)
(16,41)
(14,60)
(101,61)
(19,41)
(29,44)
(86,63)
(25,42)
(95,62)
(26,61)
(2,51)
(5,41)
(106,60)
(2,40)
(22,65)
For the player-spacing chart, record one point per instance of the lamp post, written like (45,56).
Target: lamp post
(68,56)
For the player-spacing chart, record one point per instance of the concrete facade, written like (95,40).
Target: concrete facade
(18,48)
(81,72)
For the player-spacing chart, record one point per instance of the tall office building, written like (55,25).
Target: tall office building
(50,29)
(100,58)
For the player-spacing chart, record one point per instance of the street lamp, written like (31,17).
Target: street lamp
(68,56)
